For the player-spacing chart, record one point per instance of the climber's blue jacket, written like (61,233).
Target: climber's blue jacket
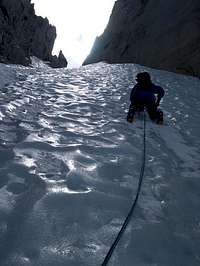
(146,95)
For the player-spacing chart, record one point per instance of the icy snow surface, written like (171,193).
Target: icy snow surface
(7,75)
(70,165)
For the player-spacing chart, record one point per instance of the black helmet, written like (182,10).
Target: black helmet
(143,77)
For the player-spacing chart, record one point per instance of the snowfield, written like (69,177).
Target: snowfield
(7,75)
(70,163)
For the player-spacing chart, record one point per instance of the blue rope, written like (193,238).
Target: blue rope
(128,218)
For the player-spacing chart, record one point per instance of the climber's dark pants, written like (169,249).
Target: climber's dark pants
(139,106)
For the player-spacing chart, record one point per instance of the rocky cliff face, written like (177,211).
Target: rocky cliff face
(23,34)
(159,34)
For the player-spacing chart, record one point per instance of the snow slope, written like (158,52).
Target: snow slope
(70,165)
(7,75)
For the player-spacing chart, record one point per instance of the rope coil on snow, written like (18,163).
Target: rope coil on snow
(128,218)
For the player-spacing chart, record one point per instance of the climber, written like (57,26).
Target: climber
(143,96)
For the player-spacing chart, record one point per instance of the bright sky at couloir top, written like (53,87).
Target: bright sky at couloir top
(78,22)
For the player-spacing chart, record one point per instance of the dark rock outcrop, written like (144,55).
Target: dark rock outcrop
(58,61)
(159,34)
(23,34)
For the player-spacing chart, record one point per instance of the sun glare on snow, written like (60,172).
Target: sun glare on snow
(78,22)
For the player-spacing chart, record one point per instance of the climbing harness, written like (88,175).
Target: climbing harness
(128,218)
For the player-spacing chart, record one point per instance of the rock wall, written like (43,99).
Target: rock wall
(159,34)
(23,34)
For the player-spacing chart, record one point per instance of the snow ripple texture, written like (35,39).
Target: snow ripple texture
(70,165)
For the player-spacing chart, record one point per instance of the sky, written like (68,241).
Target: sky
(78,22)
